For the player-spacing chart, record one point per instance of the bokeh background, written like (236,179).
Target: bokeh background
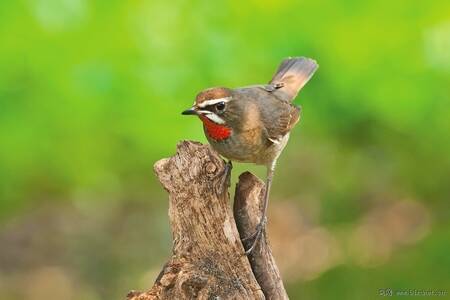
(91,94)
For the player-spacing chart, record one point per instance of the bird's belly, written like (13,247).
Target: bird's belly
(239,148)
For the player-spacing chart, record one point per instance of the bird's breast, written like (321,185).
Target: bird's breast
(249,146)
(215,131)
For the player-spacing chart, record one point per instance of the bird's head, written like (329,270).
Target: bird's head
(214,107)
(211,104)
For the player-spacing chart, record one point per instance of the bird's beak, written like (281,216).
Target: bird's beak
(190,111)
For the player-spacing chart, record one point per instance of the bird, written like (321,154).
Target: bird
(252,124)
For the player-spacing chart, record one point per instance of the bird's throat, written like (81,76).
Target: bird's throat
(215,131)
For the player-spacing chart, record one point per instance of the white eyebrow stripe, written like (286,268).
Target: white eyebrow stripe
(213,101)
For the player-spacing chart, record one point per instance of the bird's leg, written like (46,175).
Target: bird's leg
(228,167)
(260,228)
(225,175)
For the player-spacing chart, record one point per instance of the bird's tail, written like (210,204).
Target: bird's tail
(292,75)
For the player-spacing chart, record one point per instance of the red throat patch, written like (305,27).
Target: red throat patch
(215,131)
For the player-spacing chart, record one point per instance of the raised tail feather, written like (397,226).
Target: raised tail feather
(292,75)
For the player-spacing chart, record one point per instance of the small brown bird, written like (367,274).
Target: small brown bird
(252,123)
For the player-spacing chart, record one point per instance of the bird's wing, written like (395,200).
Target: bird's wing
(266,87)
(291,76)
(282,121)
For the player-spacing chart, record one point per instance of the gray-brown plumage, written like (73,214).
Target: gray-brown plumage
(252,124)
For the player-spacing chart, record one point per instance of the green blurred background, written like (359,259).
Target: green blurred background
(91,94)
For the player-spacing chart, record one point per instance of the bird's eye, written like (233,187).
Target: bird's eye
(220,106)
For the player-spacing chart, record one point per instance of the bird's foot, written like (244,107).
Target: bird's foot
(229,166)
(225,175)
(256,236)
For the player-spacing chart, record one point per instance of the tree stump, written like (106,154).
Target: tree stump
(208,259)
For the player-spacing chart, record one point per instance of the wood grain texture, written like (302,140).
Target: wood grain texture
(248,204)
(208,260)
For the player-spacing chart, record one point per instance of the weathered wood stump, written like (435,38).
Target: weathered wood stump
(208,260)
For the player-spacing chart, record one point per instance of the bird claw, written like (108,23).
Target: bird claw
(250,236)
(256,236)
(224,176)
(229,165)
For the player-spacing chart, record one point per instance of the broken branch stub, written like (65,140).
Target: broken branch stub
(208,260)
(248,205)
